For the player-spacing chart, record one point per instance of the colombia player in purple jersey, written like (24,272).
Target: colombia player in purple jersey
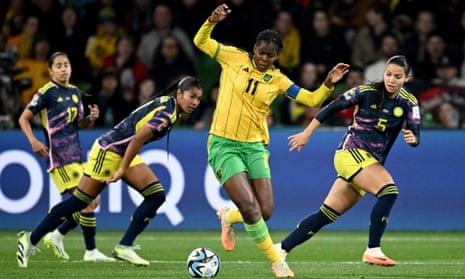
(382,110)
(114,155)
(62,114)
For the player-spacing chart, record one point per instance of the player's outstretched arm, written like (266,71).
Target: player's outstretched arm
(335,74)
(219,13)
(298,141)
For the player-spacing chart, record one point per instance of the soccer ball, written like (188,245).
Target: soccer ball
(203,263)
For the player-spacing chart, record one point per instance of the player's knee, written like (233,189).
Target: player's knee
(91,206)
(328,214)
(389,190)
(250,211)
(267,211)
(154,195)
(155,201)
(68,207)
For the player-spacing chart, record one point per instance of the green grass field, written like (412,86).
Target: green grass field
(330,254)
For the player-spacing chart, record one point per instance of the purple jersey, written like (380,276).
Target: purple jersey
(376,124)
(159,115)
(60,109)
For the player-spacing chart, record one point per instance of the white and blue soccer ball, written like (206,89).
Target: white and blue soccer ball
(203,263)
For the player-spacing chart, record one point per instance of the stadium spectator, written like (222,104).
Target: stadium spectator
(459,45)
(414,46)
(35,68)
(163,25)
(323,45)
(69,37)
(367,41)
(249,84)
(349,16)
(137,20)
(22,43)
(47,11)
(10,96)
(114,156)
(90,13)
(359,160)
(107,95)
(446,116)
(16,13)
(289,56)
(390,46)
(447,73)
(170,62)
(147,90)
(435,49)
(103,43)
(189,15)
(61,109)
(130,69)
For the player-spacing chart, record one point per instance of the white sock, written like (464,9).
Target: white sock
(57,235)
(375,252)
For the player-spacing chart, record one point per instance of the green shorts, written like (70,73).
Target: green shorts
(228,158)
(349,162)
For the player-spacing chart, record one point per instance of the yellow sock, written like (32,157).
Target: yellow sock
(234,216)
(260,235)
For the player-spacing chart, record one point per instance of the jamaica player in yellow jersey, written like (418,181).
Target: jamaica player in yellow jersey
(249,83)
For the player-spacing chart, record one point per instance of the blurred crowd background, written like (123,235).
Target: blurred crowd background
(124,52)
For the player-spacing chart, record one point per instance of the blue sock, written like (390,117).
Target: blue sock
(380,214)
(154,197)
(68,225)
(57,215)
(88,223)
(309,226)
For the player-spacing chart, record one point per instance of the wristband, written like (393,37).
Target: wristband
(91,118)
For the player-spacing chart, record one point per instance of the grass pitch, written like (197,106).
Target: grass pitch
(330,254)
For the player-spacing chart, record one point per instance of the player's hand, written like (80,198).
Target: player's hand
(297,141)
(115,177)
(219,13)
(94,111)
(409,137)
(336,74)
(39,148)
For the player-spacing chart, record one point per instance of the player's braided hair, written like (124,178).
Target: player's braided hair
(270,36)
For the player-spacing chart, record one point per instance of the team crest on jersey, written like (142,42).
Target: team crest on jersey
(398,111)
(59,100)
(219,174)
(75,98)
(267,77)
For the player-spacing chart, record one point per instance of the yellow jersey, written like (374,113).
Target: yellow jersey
(245,93)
